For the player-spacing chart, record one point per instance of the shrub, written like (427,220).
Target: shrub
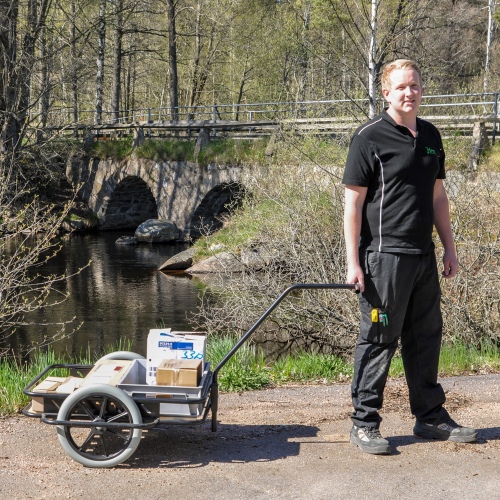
(295,214)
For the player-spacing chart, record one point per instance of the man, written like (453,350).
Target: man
(394,196)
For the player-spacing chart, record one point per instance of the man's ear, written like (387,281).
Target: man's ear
(385,93)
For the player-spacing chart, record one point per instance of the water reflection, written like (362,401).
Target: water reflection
(120,295)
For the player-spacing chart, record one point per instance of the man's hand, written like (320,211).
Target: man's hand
(355,276)
(450,265)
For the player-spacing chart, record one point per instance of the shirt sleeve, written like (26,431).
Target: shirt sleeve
(359,169)
(442,171)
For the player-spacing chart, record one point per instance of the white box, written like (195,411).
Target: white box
(168,344)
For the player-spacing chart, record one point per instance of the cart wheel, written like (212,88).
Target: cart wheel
(99,446)
(126,355)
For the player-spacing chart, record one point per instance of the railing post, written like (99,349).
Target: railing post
(215,119)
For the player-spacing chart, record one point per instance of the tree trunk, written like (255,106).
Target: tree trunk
(117,62)
(17,61)
(372,58)
(196,64)
(9,11)
(101,43)
(44,101)
(74,64)
(304,54)
(489,43)
(172,60)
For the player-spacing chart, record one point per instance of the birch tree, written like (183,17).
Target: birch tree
(489,43)
(101,46)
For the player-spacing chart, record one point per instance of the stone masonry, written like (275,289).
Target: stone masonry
(125,193)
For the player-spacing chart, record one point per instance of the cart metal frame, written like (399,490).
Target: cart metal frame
(108,410)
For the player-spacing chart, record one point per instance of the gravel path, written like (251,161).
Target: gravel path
(284,443)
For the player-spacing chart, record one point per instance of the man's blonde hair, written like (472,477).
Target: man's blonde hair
(398,64)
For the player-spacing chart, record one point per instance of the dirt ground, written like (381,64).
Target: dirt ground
(283,443)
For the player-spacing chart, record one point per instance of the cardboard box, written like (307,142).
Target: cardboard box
(108,371)
(49,385)
(70,385)
(167,344)
(134,383)
(179,372)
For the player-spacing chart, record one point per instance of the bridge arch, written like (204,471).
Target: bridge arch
(130,204)
(123,194)
(209,215)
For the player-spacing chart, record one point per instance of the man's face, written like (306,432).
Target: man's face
(405,94)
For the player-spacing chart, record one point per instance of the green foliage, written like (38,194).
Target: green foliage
(458,358)
(15,375)
(112,149)
(159,150)
(238,231)
(457,151)
(233,152)
(311,367)
(312,150)
(491,161)
(221,151)
(245,370)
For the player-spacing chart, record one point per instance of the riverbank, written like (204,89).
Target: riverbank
(281,443)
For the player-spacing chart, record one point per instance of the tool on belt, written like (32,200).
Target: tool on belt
(379,316)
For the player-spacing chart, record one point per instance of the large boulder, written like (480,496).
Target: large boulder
(157,231)
(250,259)
(224,261)
(257,258)
(180,261)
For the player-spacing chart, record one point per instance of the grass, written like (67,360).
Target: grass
(247,369)
(14,375)
(493,157)
(220,151)
(310,367)
(237,232)
(158,150)
(233,152)
(112,149)
(459,359)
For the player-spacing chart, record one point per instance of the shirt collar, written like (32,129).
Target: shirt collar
(388,118)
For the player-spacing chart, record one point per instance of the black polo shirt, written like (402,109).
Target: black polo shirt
(400,172)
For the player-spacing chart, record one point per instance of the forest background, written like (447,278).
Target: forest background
(93,61)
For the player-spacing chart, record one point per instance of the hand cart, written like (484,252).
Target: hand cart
(100,425)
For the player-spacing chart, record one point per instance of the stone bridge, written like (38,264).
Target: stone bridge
(123,194)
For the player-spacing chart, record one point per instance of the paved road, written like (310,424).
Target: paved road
(286,443)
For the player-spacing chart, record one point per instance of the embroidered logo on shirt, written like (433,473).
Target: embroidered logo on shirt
(430,151)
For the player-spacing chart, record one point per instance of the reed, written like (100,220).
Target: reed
(458,358)
(248,369)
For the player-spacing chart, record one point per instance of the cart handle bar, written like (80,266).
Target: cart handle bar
(307,286)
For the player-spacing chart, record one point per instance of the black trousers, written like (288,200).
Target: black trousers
(400,301)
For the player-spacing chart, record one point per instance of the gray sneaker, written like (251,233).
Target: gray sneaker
(369,440)
(447,431)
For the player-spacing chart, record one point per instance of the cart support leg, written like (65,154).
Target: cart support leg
(214,404)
